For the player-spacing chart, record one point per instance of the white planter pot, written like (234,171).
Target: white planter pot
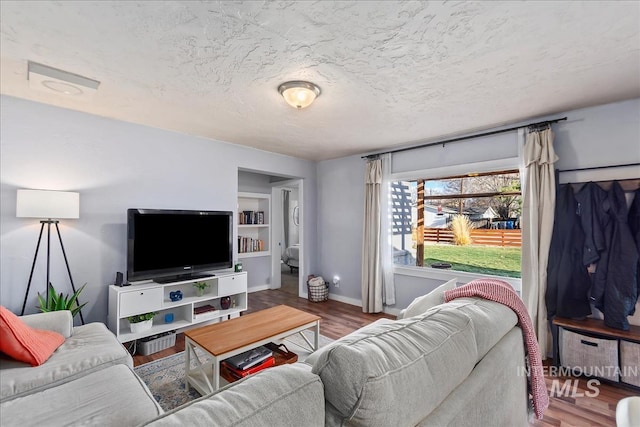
(141,326)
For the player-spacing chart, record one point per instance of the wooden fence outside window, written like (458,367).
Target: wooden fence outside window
(503,238)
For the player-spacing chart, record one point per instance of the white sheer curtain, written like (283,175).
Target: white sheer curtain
(375,245)
(386,251)
(538,204)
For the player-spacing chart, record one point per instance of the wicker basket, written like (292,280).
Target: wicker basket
(317,292)
(589,354)
(629,362)
(156,343)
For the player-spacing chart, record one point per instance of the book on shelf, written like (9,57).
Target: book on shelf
(249,358)
(203,309)
(248,244)
(250,217)
(241,373)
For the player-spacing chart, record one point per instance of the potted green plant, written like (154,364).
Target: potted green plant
(141,322)
(200,287)
(58,301)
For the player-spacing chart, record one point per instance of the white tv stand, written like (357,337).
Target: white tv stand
(154,297)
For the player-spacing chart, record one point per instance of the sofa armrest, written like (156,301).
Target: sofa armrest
(57,321)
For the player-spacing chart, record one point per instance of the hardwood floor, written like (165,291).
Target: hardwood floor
(289,280)
(573,408)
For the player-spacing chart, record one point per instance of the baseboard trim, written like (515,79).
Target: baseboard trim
(346,300)
(358,303)
(258,288)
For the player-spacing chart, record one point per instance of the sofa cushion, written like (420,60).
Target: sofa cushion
(433,298)
(494,394)
(91,347)
(26,344)
(421,358)
(491,320)
(60,321)
(283,396)
(313,357)
(114,396)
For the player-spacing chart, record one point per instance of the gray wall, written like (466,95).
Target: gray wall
(602,135)
(114,166)
(340,211)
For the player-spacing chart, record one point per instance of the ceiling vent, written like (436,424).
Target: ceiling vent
(51,80)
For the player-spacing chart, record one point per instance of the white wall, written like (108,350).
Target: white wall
(114,165)
(602,135)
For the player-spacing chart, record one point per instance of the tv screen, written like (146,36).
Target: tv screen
(175,244)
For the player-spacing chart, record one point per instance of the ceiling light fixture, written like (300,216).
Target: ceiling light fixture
(299,94)
(43,77)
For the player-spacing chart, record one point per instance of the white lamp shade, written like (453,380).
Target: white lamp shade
(47,204)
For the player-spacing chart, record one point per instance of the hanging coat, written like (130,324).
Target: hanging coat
(593,210)
(621,289)
(595,216)
(634,226)
(568,282)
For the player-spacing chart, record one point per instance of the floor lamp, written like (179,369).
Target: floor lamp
(53,205)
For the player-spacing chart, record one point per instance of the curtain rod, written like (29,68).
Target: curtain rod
(599,167)
(462,138)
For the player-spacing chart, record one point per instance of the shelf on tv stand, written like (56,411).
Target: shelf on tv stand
(156,297)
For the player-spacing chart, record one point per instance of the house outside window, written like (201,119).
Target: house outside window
(468,223)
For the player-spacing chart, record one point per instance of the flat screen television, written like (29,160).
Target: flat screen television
(170,245)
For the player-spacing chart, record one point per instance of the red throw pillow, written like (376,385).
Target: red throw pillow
(26,344)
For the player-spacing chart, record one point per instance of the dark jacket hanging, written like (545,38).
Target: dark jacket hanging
(593,209)
(634,225)
(568,282)
(621,290)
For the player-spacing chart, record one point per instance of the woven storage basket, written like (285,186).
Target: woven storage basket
(317,292)
(589,355)
(155,345)
(629,362)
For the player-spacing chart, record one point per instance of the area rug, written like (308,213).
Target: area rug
(165,377)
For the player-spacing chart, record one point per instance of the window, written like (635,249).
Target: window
(465,223)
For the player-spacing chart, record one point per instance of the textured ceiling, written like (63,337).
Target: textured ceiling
(391,73)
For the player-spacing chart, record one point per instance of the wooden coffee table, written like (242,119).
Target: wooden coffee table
(230,337)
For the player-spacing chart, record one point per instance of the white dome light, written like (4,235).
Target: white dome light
(299,94)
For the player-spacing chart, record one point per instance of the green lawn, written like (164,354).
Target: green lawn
(476,259)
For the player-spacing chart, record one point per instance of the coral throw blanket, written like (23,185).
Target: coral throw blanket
(503,293)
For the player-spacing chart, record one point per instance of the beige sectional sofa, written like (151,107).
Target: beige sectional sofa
(460,363)
(88,380)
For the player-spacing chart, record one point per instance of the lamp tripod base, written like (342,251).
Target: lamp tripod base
(35,257)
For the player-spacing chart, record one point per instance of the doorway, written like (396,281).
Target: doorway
(287,236)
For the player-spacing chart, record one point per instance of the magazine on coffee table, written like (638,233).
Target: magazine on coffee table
(236,374)
(249,358)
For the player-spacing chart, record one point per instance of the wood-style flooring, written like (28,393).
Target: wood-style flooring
(339,319)
(289,280)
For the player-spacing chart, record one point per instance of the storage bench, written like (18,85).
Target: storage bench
(593,349)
